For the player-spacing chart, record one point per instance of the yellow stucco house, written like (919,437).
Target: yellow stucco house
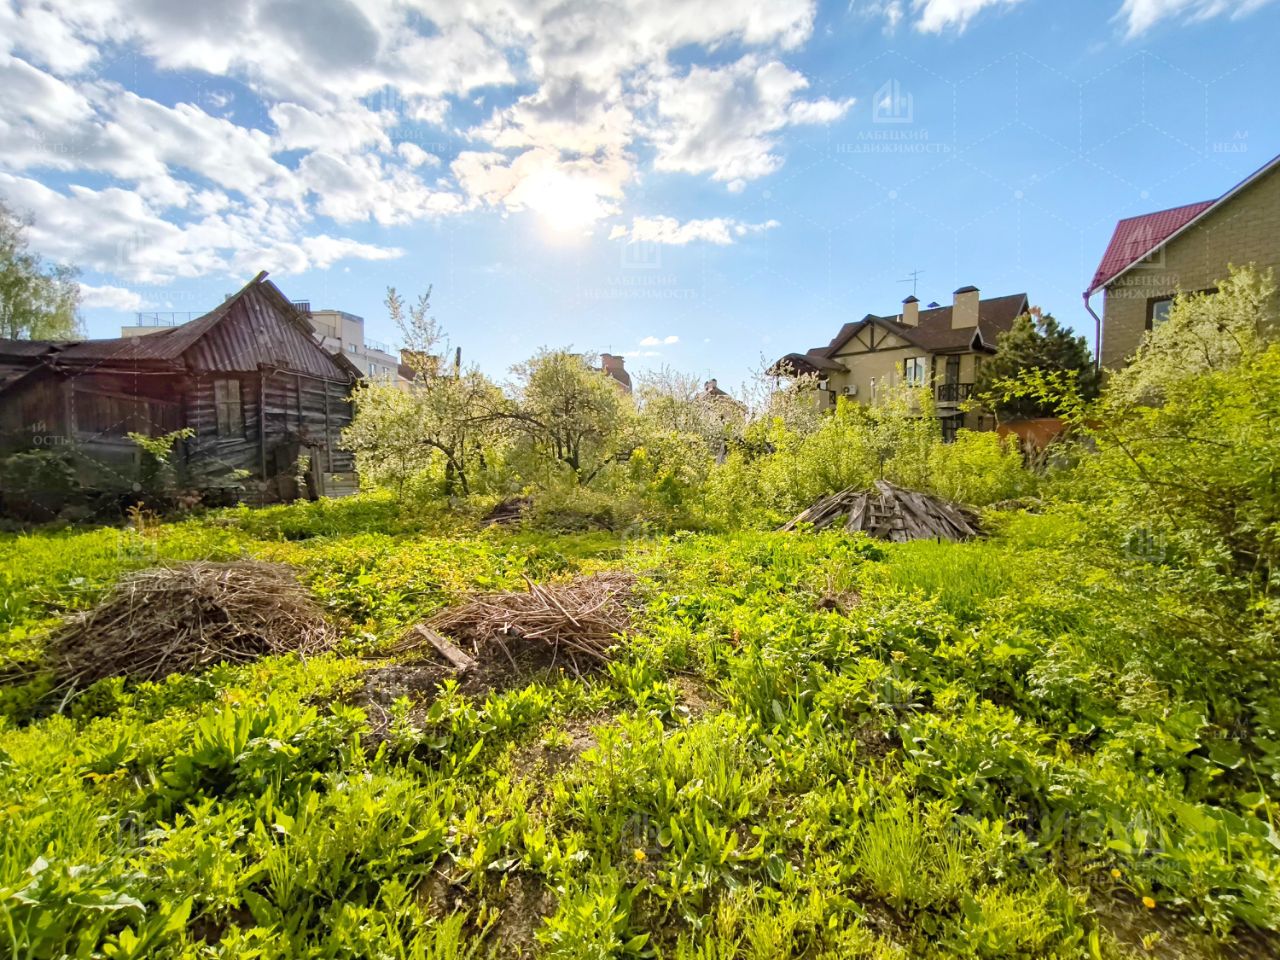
(936,347)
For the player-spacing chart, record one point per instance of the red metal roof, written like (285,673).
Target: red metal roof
(1136,237)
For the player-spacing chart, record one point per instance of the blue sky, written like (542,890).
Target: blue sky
(693,185)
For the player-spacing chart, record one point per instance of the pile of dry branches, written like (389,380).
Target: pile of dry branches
(183,618)
(579,619)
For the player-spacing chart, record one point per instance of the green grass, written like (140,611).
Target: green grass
(814,746)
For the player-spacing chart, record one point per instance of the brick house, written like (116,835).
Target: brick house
(1185,249)
(936,347)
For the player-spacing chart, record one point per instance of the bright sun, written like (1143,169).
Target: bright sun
(568,205)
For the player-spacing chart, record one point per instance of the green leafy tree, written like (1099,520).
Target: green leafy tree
(38,301)
(570,411)
(1035,342)
(1186,477)
(446,415)
(1203,333)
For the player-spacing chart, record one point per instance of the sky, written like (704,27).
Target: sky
(695,185)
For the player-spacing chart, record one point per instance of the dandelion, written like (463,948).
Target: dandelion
(1115,873)
(1149,903)
(638,854)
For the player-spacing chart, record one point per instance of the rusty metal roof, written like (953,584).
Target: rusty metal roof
(256,327)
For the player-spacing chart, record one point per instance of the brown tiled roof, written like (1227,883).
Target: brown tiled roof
(811,362)
(934,332)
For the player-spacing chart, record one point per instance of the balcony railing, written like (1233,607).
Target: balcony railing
(954,392)
(163,319)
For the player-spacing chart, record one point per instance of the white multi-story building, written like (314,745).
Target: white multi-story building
(337,331)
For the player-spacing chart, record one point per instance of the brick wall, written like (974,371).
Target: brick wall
(1244,230)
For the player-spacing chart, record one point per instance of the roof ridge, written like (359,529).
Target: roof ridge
(1115,262)
(1174,208)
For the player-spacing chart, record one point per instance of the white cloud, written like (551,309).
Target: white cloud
(341,129)
(669,230)
(362,187)
(659,341)
(572,194)
(415,156)
(110,298)
(113,231)
(1140,15)
(933,16)
(725,120)
(298,113)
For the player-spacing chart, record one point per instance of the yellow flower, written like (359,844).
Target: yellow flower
(1115,873)
(1149,903)
(638,854)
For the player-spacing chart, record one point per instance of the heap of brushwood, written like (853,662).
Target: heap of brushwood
(187,617)
(508,511)
(577,622)
(889,512)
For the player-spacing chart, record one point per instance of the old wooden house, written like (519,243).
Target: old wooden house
(248,378)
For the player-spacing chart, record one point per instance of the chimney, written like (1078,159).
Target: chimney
(911,312)
(964,312)
(615,367)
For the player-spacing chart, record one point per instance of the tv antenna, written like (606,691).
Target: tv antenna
(913,278)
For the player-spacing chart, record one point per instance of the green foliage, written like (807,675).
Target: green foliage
(1204,332)
(36,484)
(1036,342)
(853,446)
(157,476)
(38,301)
(568,411)
(438,424)
(816,746)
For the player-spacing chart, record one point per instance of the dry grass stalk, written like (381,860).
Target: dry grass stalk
(187,617)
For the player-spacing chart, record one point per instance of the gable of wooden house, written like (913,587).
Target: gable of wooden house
(248,378)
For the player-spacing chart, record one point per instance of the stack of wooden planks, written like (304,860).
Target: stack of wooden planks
(889,512)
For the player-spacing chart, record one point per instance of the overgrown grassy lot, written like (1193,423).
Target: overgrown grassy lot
(812,746)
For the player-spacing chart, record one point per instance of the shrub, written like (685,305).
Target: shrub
(37,484)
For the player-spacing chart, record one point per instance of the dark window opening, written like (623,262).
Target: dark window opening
(230,411)
(1158,308)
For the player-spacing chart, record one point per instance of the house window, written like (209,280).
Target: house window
(913,371)
(1158,307)
(1158,311)
(226,401)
